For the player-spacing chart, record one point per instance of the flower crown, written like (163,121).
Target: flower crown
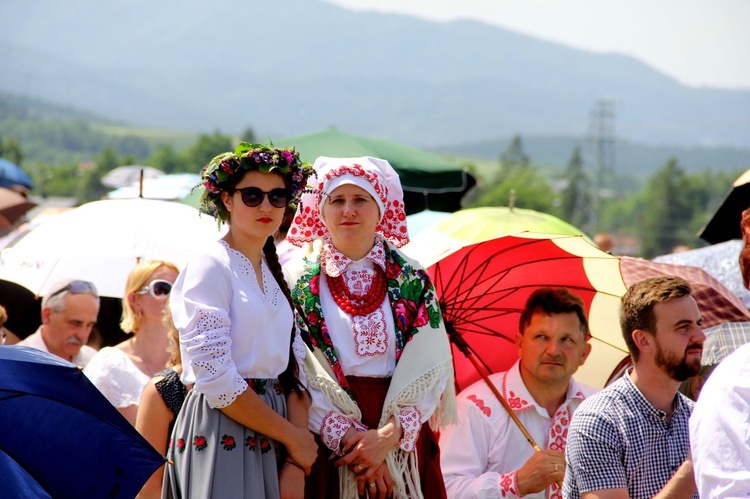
(224,169)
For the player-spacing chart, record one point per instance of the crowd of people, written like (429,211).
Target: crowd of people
(332,376)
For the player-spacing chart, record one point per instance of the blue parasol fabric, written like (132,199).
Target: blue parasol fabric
(11,175)
(61,437)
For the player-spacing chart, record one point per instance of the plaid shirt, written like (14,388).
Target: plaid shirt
(617,439)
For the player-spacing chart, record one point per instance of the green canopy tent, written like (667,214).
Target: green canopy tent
(430,181)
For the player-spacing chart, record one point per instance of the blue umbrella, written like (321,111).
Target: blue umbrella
(12,175)
(60,437)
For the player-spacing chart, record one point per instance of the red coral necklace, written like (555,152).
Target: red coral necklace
(354,304)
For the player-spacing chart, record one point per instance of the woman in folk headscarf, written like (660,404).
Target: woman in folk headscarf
(379,366)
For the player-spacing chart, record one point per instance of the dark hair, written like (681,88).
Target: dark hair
(552,301)
(637,305)
(224,171)
(289,379)
(745,252)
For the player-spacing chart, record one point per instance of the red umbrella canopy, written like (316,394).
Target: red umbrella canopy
(716,302)
(482,290)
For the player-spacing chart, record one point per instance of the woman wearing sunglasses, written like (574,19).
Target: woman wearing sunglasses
(121,372)
(242,431)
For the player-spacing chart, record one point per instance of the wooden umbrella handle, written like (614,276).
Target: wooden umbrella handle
(504,403)
(461,344)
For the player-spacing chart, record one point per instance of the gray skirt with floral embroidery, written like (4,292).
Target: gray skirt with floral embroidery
(214,456)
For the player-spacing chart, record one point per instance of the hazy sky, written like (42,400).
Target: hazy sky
(698,42)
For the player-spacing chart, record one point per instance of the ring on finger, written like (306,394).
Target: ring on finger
(556,468)
(372,485)
(359,467)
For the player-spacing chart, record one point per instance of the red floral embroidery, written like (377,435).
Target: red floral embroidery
(181,445)
(480,403)
(200,443)
(265,446)
(411,422)
(558,431)
(516,402)
(250,442)
(227,441)
(332,430)
(509,484)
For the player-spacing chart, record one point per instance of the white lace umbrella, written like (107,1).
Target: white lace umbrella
(102,241)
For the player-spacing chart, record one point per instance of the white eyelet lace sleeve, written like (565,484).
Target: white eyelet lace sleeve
(200,302)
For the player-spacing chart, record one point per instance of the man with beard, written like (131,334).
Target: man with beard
(632,438)
(69,312)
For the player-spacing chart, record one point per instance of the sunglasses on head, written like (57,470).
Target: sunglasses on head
(253,196)
(76,288)
(159,288)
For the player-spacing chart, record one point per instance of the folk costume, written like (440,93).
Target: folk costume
(377,347)
(482,454)
(235,335)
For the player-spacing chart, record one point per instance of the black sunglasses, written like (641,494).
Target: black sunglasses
(76,288)
(159,288)
(253,196)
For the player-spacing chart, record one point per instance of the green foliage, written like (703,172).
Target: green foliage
(666,222)
(514,156)
(531,190)
(166,159)
(206,148)
(249,136)
(10,149)
(575,198)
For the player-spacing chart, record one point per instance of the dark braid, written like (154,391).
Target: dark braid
(289,379)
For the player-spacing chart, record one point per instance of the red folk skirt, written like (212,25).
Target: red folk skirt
(369,393)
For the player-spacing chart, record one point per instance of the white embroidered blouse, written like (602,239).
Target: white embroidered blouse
(365,346)
(481,455)
(230,329)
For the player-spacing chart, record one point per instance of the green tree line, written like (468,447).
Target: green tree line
(666,212)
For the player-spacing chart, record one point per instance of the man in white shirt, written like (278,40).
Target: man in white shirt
(719,436)
(69,312)
(485,455)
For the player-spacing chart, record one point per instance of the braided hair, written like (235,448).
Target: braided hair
(289,379)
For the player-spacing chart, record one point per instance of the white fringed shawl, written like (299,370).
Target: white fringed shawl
(425,369)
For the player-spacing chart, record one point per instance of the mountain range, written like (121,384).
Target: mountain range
(289,67)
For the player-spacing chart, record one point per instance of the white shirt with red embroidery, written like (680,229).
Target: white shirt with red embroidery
(481,455)
(365,346)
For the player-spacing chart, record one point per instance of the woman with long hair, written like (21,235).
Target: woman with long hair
(242,431)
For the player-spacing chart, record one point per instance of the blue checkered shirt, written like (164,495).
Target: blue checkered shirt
(617,439)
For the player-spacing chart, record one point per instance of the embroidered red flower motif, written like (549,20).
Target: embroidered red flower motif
(315,284)
(313,319)
(265,446)
(200,443)
(423,316)
(277,387)
(405,312)
(250,442)
(506,483)
(480,403)
(181,445)
(227,442)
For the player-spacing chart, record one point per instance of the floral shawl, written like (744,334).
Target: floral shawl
(423,355)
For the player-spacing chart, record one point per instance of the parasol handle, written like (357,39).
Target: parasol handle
(504,403)
(458,340)
(463,346)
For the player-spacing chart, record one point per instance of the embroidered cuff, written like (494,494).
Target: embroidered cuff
(411,423)
(509,485)
(332,430)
